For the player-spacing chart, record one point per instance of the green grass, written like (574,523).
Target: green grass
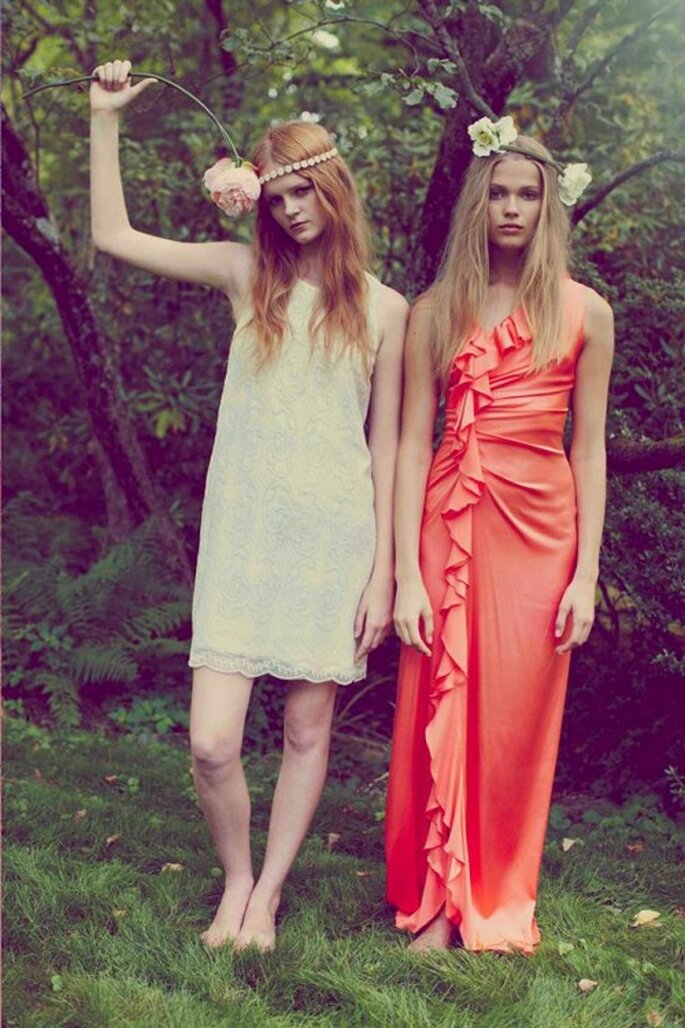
(98,934)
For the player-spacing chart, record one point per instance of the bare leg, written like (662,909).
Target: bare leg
(217,721)
(436,935)
(306,739)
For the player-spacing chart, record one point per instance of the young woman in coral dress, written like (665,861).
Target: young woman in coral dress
(497,539)
(295,566)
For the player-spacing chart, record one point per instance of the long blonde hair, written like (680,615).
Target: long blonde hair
(340,314)
(457,297)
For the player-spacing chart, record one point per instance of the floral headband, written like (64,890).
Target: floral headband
(235,188)
(234,183)
(498,136)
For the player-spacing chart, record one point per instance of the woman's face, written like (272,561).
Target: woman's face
(514,204)
(295,206)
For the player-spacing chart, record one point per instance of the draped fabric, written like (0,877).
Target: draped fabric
(477,724)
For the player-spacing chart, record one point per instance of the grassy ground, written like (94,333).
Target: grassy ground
(100,930)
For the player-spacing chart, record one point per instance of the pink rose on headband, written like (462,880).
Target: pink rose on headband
(234,189)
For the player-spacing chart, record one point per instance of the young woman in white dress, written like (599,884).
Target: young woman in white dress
(295,567)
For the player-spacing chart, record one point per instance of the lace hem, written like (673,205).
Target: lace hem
(255,667)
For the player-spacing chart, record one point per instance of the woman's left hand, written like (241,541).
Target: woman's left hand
(374,615)
(578,603)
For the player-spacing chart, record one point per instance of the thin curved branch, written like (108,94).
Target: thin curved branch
(349,19)
(451,49)
(571,97)
(635,169)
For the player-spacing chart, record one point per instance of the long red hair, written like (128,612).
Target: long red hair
(339,317)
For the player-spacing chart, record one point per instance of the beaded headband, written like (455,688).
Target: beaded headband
(234,183)
(287,169)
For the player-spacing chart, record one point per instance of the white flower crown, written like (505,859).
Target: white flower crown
(498,136)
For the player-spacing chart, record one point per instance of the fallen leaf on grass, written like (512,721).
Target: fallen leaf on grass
(333,839)
(362,874)
(567,844)
(111,839)
(38,774)
(644,917)
(654,1019)
(587,985)
(118,914)
(635,847)
(171,867)
(564,948)
(111,779)
(680,911)
(79,815)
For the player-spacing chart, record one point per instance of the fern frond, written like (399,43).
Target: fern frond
(156,621)
(63,698)
(104,664)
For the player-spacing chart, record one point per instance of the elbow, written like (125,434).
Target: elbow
(116,244)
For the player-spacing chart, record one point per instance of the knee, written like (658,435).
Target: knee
(213,755)
(307,737)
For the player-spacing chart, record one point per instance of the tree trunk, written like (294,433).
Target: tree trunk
(494,74)
(26,217)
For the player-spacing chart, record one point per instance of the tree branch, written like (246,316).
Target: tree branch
(628,456)
(569,99)
(635,169)
(584,21)
(451,49)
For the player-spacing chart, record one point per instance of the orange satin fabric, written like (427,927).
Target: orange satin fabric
(477,724)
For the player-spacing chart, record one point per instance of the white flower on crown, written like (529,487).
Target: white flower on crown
(573,181)
(489,136)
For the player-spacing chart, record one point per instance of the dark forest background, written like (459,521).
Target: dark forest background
(112,377)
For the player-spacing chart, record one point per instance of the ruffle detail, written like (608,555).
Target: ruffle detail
(468,394)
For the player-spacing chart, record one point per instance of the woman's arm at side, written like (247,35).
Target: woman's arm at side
(374,614)
(588,464)
(224,265)
(413,462)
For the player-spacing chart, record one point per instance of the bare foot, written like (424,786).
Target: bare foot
(436,935)
(259,925)
(229,916)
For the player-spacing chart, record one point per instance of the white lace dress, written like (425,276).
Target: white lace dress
(288,530)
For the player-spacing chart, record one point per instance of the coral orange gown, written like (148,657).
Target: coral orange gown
(477,724)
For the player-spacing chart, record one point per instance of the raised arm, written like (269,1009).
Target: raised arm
(223,265)
(374,614)
(588,464)
(412,605)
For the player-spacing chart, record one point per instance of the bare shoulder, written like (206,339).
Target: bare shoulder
(392,304)
(422,308)
(599,321)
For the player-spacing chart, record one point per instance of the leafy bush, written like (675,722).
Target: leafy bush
(113,623)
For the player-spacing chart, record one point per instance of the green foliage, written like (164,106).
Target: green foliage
(149,718)
(113,623)
(83,623)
